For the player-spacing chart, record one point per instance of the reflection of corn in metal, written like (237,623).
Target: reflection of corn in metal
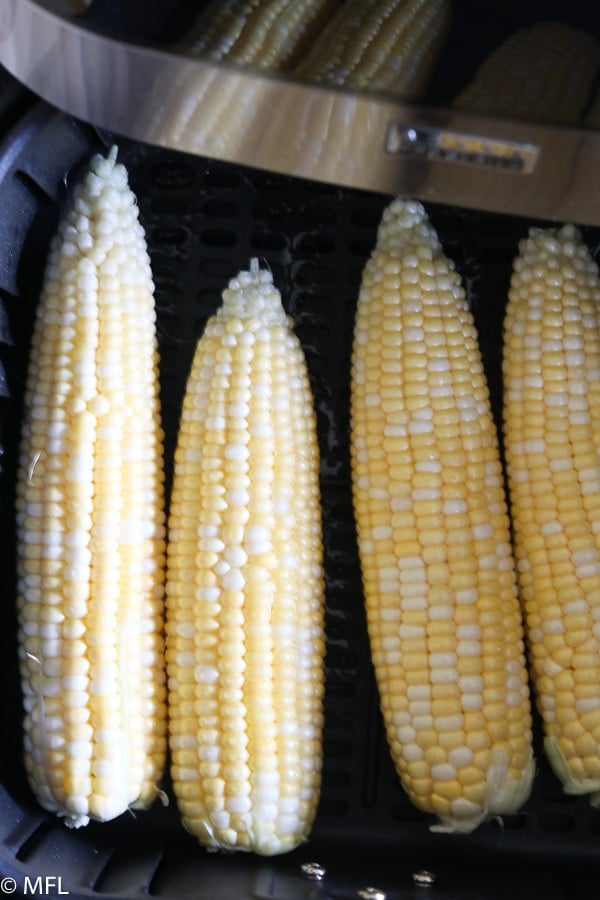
(551,439)
(371,45)
(268,35)
(214,117)
(432,525)
(542,72)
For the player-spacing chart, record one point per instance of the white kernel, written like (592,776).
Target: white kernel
(470,630)
(454,507)
(443,772)
(215,423)
(185,659)
(420,426)
(287,824)
(412,753)
(208,593)
(460,757)
(382,532)
(233,579)
(79,749)
(236,556)
(238,498)
(471,684)
(206,674)
(465,809)
(266,779)
(220,818)
(442,660)
(589,570)
(238,805)
(587,704)
(471,702)
(466,596)
(439,364)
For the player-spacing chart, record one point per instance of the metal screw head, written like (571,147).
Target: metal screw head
(371,893)
(314,870)
(424,878)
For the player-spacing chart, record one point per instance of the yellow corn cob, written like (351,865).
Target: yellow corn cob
(90,519)
(391,46)
(268,34)
(439,578)
(543,72)
(245,590)
(552,438)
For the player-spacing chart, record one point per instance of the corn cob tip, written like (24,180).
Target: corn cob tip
(252,295)
(102,165)
(405,222)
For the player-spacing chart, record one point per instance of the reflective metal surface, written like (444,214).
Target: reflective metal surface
(356,140)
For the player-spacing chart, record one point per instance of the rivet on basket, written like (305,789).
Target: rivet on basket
(314,870)
(371,893)
(424,878)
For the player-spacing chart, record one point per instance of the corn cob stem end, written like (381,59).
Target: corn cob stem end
(506,795)
(561,769)
(74,821)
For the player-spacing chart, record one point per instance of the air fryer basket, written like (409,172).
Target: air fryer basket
(204,220)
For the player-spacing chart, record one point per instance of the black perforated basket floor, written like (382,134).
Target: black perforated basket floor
(204,220)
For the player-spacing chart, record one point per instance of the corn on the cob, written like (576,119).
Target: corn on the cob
(245,590)
(267,35)
(439,578)
(552,442)
(390,46)
(90,518)
(543,72)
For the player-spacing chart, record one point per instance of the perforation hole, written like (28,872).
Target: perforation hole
(172,175)
(165,236)
(315,243)
(222,179)
(220,209)
(308,274)
(268,241)
(215,237)
(218,269)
